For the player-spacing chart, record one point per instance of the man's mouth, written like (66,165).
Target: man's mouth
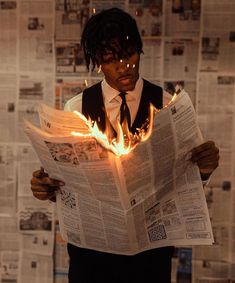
(125,78)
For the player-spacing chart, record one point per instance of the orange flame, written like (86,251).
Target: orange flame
(125,141)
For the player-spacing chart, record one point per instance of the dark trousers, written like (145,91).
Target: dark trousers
(89,266)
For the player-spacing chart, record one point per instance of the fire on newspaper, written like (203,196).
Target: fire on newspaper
(125,141)
(141,193)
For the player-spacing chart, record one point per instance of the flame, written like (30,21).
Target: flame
(125,141)
(119,146)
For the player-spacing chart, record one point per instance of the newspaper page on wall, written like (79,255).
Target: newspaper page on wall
(151,197)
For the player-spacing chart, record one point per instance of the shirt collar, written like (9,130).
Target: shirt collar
(110,93)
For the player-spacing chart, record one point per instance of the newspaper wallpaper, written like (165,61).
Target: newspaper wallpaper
(188,42)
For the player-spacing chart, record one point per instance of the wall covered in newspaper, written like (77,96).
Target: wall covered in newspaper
(188,42)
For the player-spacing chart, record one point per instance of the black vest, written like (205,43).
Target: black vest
(93,104)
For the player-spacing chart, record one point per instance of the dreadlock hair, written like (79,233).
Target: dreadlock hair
(111,30)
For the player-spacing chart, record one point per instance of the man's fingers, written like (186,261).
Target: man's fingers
(205,151)
(40,173)
(44,189)
(212,152)
(207,157)
(209,145)
(203,146)
(44,195)
(208,164)
(46,181)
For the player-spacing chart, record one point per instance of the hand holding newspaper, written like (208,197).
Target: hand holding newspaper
(149,198)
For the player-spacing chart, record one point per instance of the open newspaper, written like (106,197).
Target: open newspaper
(149,198)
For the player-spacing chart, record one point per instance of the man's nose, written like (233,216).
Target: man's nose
(123,65)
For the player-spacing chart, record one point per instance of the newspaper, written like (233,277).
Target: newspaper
(180,58)
(182,18)
(35,268)
(216,120)
(151,61)
(8,179)
(217,51)
(8,86)
(9,266)
(8,39)
(33,89)
(150,198)
(148,16)
(36,31)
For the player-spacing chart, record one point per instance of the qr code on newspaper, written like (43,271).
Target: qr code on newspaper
(157,233)
(68,199)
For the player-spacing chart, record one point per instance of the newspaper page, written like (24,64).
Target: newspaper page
(34,216)
(8,179)
(222,87)
(39,243)
(170,86)
(9,266)
(148,16)
(150,198)
(210,271)
(180,58)
(216,263)
(8,89)
(33,89)
(66,89)
(70,18)
(70,59)
(221,224)
(9,236)
(27,161)
(35,268)
(36,35)
(151,62)
(99,5)
(8,39)
(217,52)
(218,39)
(218,125)
(182,18)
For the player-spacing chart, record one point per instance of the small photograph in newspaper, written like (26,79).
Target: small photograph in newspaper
(69,58)
(34,215)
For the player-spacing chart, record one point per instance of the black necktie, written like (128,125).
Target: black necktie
(124,110)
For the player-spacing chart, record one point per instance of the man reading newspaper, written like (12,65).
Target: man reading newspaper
(111,42)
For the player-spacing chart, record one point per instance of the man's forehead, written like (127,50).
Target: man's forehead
(112,46)
(118,50)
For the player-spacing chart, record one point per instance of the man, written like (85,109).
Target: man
(111,42)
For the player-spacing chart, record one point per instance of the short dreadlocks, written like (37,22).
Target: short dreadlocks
(111,30)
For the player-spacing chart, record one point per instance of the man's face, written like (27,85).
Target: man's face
(121,74)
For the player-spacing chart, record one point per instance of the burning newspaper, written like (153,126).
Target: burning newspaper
(151,197)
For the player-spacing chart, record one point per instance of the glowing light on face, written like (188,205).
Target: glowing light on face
(127,64)
(127,37)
